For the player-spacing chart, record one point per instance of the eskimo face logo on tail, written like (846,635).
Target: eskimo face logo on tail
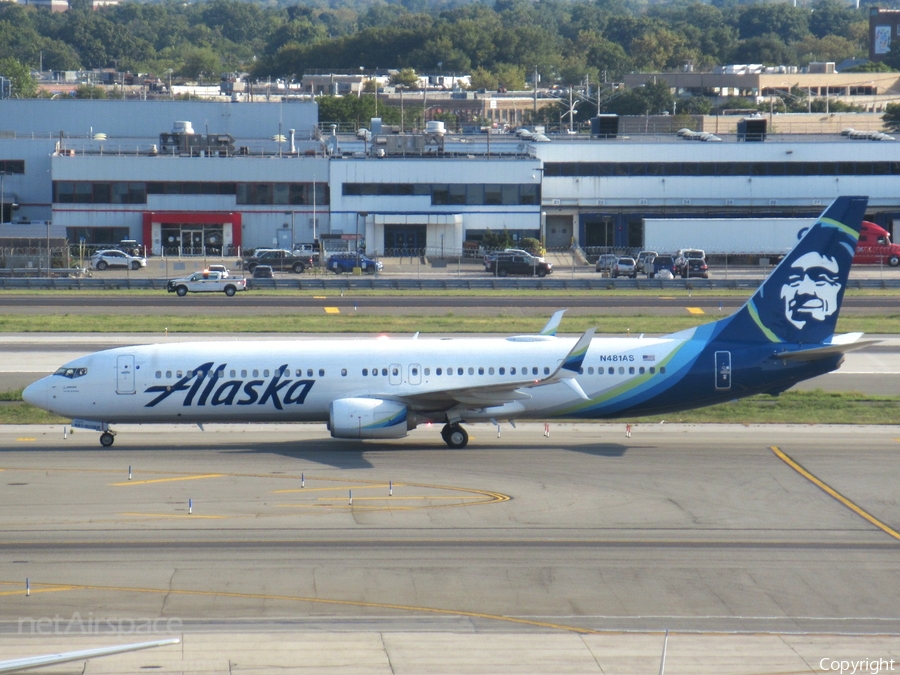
(812,289)
(206,385)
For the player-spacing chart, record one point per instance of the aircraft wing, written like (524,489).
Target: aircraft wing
(19,665)
(516,390)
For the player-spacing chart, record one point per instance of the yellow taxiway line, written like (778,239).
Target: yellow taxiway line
(301,599)
(834,493)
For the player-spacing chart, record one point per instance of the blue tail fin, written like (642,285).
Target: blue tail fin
(800,300)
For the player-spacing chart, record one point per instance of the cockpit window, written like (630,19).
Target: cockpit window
(71,373)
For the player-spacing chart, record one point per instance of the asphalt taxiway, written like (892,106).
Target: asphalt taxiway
(762,549)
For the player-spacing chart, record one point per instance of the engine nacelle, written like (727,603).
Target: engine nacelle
(367,418)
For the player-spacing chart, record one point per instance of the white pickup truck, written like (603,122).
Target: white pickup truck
(207,282)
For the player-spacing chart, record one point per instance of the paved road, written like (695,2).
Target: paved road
(160,302)
(690,528)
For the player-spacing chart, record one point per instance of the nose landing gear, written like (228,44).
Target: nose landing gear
(107,438)
(455,436)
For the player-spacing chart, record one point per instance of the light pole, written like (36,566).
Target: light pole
(293,231)
(363,215)
(2,198)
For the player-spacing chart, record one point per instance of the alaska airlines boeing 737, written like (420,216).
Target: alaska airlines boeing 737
(382,388)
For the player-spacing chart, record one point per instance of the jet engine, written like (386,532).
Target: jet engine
(367,418)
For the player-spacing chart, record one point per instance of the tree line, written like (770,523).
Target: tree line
(568,42)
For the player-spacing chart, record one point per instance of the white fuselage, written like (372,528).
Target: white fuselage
(297,380)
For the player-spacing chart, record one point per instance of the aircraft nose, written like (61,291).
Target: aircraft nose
(36,393)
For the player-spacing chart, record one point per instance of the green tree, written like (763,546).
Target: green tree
(891,117)
(405,77)
(200,62)
(23,84)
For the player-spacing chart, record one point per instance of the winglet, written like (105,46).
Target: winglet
(553,323)
(575,358)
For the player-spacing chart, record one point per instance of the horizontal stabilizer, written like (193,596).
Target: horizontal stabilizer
(824,351)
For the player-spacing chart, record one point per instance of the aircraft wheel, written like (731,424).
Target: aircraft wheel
(107,439)
(457,438)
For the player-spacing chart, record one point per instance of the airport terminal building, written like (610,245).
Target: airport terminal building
(198,178)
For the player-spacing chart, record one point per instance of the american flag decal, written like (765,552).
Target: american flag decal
(649,357)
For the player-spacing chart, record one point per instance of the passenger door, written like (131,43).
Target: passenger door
(125,374)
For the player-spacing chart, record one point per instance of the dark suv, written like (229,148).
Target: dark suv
(519,263)
(278,259)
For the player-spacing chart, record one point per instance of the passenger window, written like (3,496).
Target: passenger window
(298,372)
(471,370)
(427,372)
(177,373)
(621,370)
(321,372)
(232,373)
(481,370)
(450,371)
(266,372)
(168,373)
(611,370)
(631,370)
(255,373)
(437,372)
(343,372)
(512,371)
(158,374)
(309,372)
(546,370)
(395,372)
(365,372)
(662,370)
(490,371)
(243,373)
(502,370)
(384,372)
(534,370)
(641,370)
(591,370)
(459,371)
(581,371)
(652,369)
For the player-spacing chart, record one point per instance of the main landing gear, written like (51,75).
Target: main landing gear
(454,436)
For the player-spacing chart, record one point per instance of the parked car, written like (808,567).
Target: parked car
(606,261)
(278,259)
(520,263)
(345,262)
(489,258)
(691,262)
(115,258)
(221,269)
(263,272)
(624,267)
(643,258)
(661,267)
(307,249)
